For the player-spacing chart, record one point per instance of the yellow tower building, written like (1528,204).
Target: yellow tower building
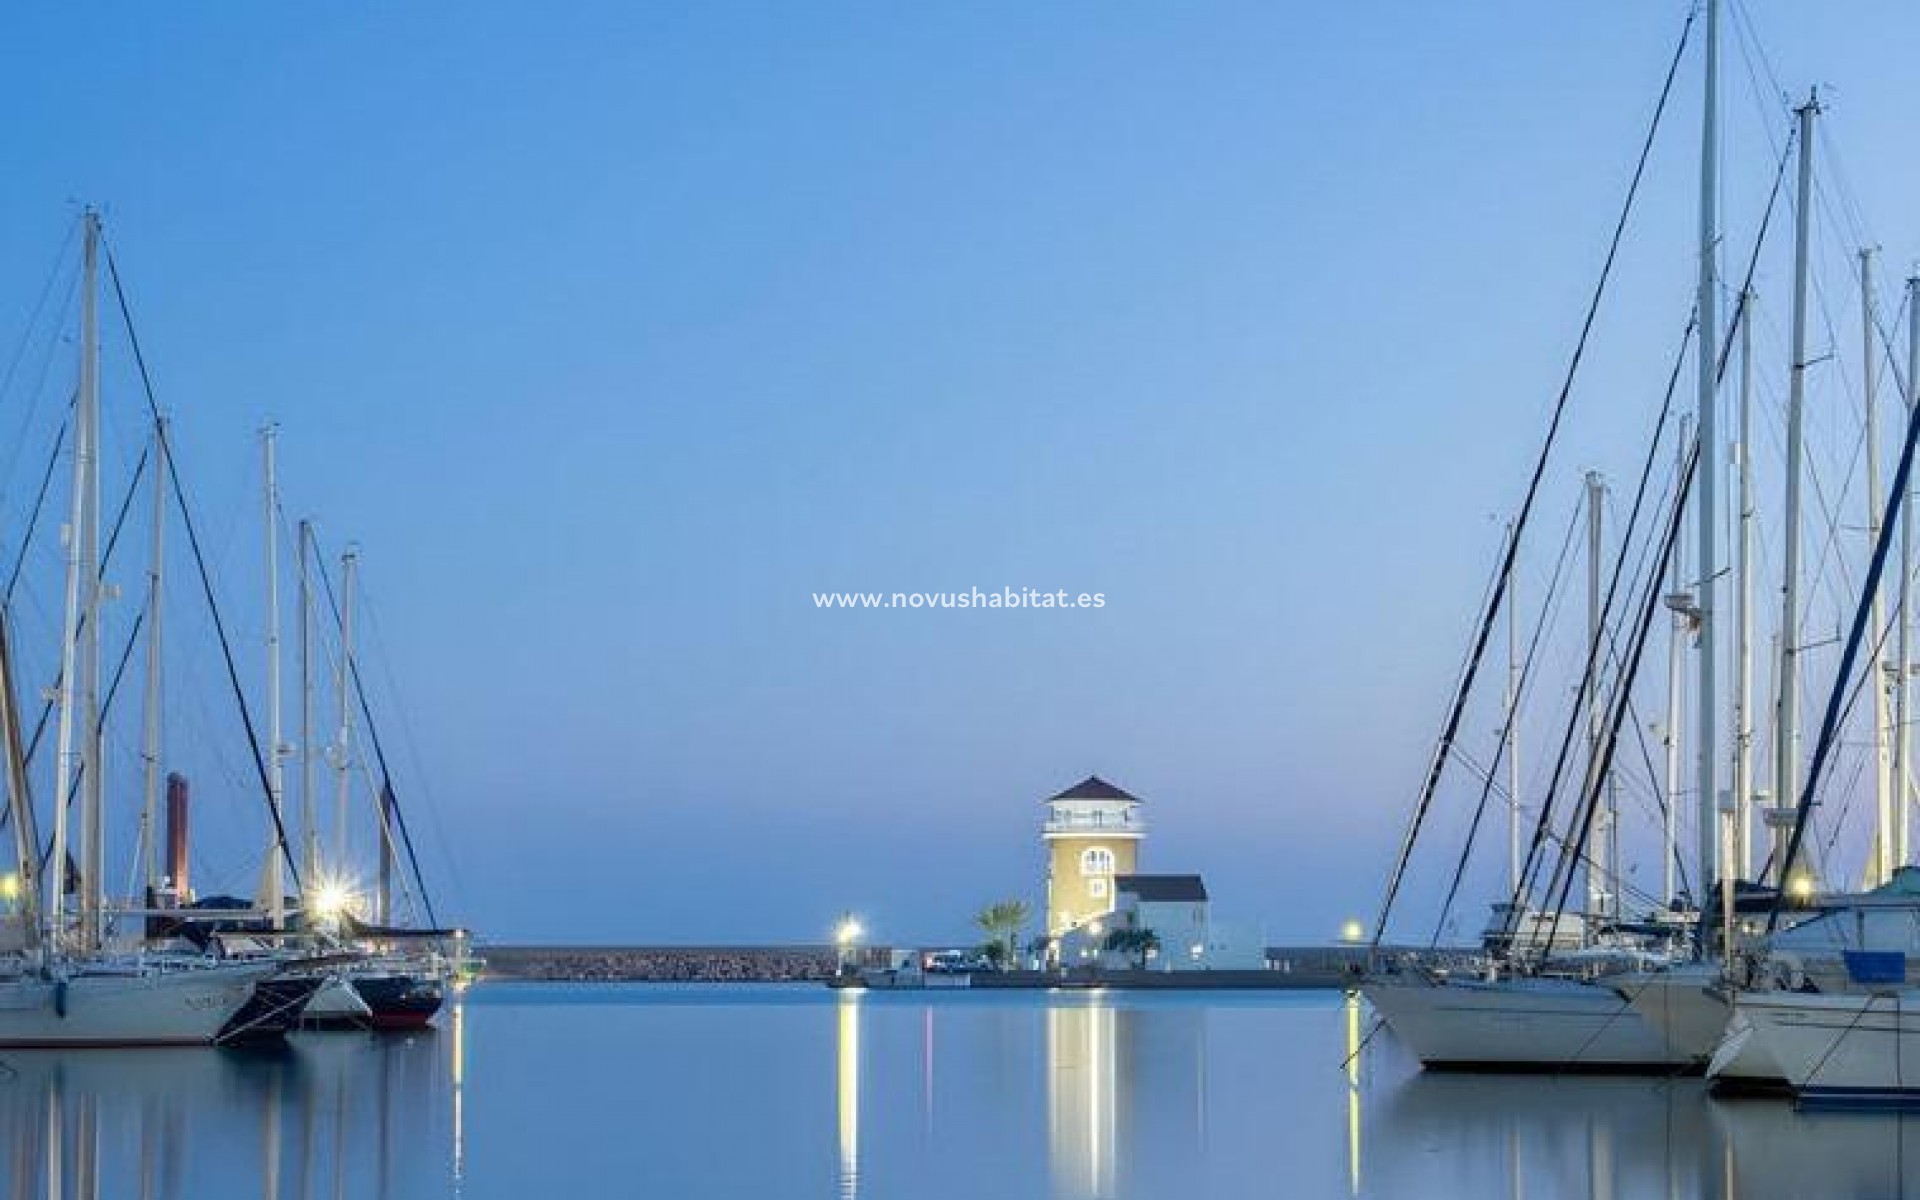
(1093,832)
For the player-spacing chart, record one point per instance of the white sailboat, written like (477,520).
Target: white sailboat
(63,987)
(1565,1015)
(1840,1015)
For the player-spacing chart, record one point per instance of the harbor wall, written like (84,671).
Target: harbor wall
(1287,966)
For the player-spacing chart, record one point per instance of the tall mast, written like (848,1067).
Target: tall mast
(66,759)
(1513,732)
(1599,856)
(86,534)
(1706,494)
(1676,689)
(1903,667)
(150,741)
(343,691)
(1786,756)
(276,887)
(309,827)
(1881,869)
(1742,862)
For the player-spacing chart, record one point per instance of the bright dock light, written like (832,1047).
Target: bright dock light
(1352,931)
(331,899)
(848,932)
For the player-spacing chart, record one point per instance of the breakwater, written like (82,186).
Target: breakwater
(660,964)
(1287,966)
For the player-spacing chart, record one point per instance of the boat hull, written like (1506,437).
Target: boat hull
(400,1000)
(1742,1064)
(272,1012)
(336,1007)
(1523,1025)
(187,1007)
(1845,1048)
(1682,1005)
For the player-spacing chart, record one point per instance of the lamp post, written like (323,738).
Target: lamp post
(845,936)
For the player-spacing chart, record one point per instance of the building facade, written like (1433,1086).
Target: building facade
(1093,832)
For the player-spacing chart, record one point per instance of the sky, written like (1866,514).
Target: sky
(612,333)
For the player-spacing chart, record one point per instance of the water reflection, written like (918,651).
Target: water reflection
(1612,1139)
(173,1124)
(847,1079)
(1351,1009)
(1082,1077)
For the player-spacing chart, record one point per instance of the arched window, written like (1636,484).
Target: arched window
(1096,861)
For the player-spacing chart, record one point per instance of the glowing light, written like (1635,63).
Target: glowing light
(848,933)
(1352,931)
(1800,887)
(1094,927)
(10,886)
(330,899)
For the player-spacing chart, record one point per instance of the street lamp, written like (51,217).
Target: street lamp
(845,935)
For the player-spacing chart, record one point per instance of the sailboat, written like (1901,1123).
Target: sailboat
(1836,1012)
(64,986)
(1530,1007)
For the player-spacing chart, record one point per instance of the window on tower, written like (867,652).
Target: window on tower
(1096,861)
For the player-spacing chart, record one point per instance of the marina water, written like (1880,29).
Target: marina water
(791,1091)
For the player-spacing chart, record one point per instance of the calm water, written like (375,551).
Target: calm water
(774,1092)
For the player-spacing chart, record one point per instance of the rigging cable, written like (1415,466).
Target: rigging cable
(1862,613)
(1597,772)
(1740,315)
(1457,710)
(390,801)
(206,580)
(1547,609)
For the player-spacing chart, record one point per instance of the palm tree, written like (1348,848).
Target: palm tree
(1002,923)
(1140,943)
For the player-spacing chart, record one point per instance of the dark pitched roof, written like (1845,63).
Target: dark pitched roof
(1093,788)
(1162,888)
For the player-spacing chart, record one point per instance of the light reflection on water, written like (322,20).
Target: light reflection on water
(776,1092)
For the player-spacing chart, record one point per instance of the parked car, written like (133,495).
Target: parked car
(947,962)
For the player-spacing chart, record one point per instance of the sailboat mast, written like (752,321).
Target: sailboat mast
(1883,862)
(150,740)
(343,691)
(1676,687)
(1786,756)
(276,887)
(309,827)
(1598,855)
(93,857)
(1706,495)
(1743,612)
(1513,731)
(67,758)
(1903,667)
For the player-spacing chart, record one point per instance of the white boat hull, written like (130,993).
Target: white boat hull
(1742,1062)
(1845,1047)
(1523,1025)
(179,1007)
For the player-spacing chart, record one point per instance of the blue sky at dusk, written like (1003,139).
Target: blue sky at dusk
(612,332)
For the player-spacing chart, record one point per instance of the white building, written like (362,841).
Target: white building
(1176,909)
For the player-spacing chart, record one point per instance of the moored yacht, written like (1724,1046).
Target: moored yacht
(1523,1023)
